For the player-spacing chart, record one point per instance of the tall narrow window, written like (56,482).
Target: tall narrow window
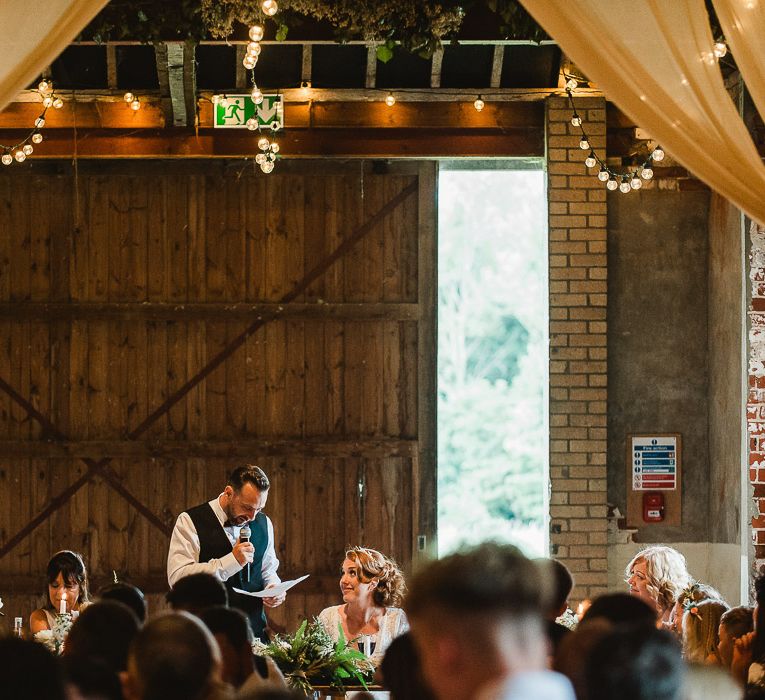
(492,358)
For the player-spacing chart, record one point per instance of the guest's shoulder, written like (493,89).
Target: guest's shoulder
(397,619)
(332,611)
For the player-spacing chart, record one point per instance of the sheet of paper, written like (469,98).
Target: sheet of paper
(278,589)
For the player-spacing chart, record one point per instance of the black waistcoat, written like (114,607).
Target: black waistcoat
(214,544)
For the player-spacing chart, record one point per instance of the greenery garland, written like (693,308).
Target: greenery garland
(420,26)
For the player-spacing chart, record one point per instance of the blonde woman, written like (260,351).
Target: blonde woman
(701,622)
(372,587)
(658,575)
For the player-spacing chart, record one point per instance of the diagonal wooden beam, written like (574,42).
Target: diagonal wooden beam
(298,289)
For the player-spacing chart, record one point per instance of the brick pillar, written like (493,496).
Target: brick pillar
(578,352)
(755,406)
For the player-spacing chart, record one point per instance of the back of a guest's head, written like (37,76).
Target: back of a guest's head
(173,657)
(701,622)
(621,609)
(696,591)
(127,594)
(93,679)
(574,649)
(738,621)
(103,631)
(562,584)
(401,671)
(230,623)
(638,663)
(490,580)
(705,681)
(197,592)
(29,670)
(271,694)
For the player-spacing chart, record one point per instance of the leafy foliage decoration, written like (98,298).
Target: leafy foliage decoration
(310,657)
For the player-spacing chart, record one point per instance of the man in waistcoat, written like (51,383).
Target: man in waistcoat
(206,539)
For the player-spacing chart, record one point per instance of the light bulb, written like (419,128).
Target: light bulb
(254,49)
(658,154)
(251,123)
(256,32)
(479,104)
(37,138)
(47,101)
(612,184)
(584,144)
(260,158)
(44,86)
(7,159)
(249,62)
(128,97)
(636,183)
(571,84)
(590,160)
(135,105)
(647,172)
(275,148)
(20,156)
(576,120)
(39,122)
(624,185)
(390,100)
(256,95)
(267,167)
(263,143)
(58,103)
(603,174)
(720,49)
(270,7)
(276,125)
(28,149)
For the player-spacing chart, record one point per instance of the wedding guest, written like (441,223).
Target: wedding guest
(401,672)
(563,584)
(271,694)
(734,624)
(701,623)
(103,632)
(477,624)
(173,657)
(642,663)
(129,595)
(241,669)
(90,679)
(207,539)
(694,593)
(67,580)
(658,575)
(29,670)
(196,593)
(372,587)
(748,662)
(621,609)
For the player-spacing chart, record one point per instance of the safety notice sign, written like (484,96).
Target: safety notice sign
(654,463)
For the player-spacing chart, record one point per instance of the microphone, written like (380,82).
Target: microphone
(244,536)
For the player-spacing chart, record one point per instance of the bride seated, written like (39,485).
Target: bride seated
(372,587)
(67,590)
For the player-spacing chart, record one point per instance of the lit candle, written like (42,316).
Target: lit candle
(582,608)
(62,606)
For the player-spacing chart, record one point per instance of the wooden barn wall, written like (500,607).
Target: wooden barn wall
(121,282)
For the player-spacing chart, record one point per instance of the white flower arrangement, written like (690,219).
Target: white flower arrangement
(55,638)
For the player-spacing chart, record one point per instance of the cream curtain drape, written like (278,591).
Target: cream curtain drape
(653,58)
(34,34)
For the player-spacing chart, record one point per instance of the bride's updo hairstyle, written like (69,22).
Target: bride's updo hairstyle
(72,569)
(390,589)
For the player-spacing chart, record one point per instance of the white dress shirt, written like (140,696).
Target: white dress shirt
(183,556)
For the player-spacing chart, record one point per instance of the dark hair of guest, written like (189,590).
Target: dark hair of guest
(197,592)
(72,569)
(127,594)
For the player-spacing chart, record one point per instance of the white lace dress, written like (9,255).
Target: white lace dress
(392,624)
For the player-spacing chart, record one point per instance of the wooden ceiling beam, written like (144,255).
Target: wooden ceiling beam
(296,143)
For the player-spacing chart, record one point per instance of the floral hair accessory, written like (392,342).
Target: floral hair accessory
(694,611)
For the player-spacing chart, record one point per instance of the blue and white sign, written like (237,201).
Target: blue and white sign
(654,463)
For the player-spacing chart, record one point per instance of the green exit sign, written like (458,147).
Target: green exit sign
(239,108)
